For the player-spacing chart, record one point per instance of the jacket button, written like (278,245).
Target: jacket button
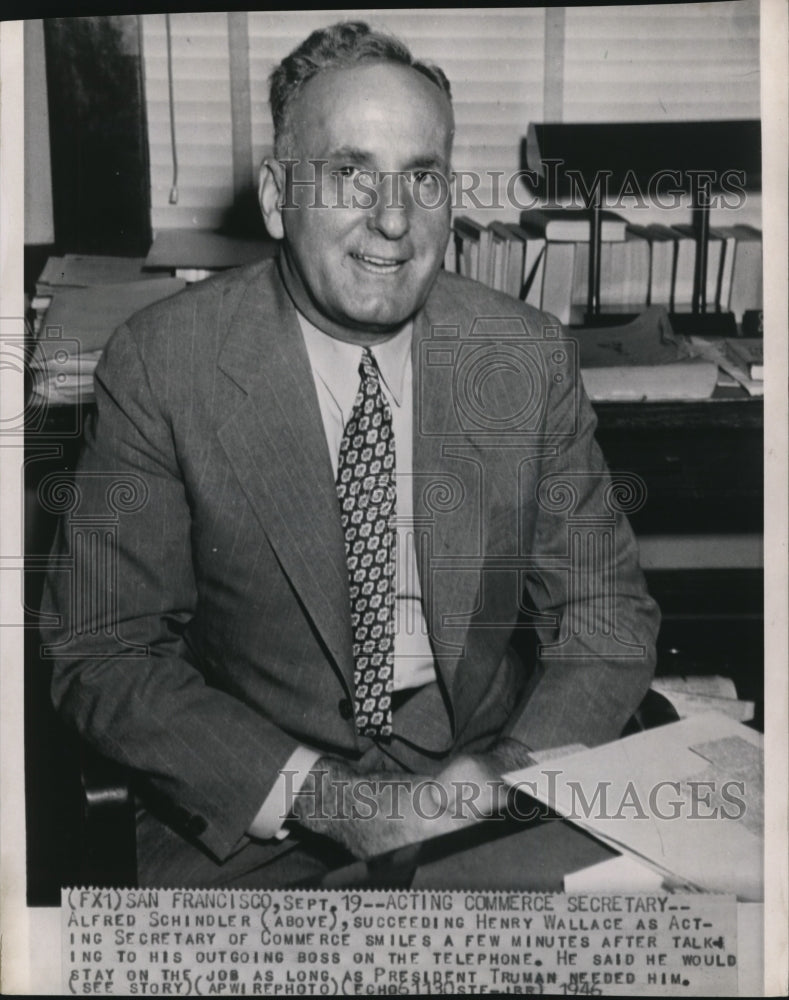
(346,708)
(196,825)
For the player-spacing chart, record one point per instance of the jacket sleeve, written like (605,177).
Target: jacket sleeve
(598,625)
(119,594)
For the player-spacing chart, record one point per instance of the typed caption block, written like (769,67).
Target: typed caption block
(142,942)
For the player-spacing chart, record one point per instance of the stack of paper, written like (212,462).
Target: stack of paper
(76,327)
(81,271)
(719,354)
(748,352)
(697,695)
(643,360)
(686,799)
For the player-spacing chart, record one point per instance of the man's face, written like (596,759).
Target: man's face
(369,259)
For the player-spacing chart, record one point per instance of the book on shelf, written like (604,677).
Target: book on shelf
(573,224)
(533,243)
(662,243)
(650,265)
(728,235)
(514,259)
(642,234)
(624,272)
(557,279)
(714,264)
(631,260)
(471,241)
(746,279)
(501,247)
(684,266)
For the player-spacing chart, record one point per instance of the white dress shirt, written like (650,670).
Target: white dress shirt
(335,371)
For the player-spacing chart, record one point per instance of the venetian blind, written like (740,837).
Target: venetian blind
(203,131)
(493,58)
(636,63)
(664,62)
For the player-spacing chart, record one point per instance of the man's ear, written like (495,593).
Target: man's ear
(271,194)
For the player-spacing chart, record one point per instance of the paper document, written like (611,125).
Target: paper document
(697,695)
(650,383)
(718,355)
(622,874)
(687,799)
(90,315)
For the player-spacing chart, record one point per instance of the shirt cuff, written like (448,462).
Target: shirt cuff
(276,806)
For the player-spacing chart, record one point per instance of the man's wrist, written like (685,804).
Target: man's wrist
(508,754)
(276,807)
(320,798)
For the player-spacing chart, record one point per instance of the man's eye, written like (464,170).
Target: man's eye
(346,171)
(427,180)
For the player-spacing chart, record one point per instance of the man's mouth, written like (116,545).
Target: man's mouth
(378,265)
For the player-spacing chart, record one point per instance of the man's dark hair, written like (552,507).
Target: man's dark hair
(341,45)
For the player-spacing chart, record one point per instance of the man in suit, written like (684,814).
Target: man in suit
(319,496)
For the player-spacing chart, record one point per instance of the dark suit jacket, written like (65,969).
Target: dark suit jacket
(203,589)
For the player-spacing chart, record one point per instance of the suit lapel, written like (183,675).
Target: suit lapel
(276,445)
(447,501)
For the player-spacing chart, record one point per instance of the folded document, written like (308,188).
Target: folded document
(686,799)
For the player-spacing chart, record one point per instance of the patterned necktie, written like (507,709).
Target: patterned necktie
(366,491)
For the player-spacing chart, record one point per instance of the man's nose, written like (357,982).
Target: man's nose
(390,214)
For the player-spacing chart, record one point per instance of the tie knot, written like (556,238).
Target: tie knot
(368,369)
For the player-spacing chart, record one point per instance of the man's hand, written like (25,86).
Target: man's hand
(372,813)
(473,782)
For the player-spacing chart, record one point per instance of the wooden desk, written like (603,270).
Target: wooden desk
(701,462)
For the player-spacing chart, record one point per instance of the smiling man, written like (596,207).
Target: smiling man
(341,484)
(361,148)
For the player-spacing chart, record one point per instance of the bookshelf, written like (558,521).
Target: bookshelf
(700,158)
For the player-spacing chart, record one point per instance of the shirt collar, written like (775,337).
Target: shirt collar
(333,360)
